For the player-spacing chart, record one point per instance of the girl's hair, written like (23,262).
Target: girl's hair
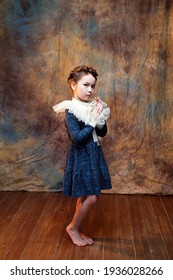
(77,73)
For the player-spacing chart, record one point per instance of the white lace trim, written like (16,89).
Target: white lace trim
(81,110)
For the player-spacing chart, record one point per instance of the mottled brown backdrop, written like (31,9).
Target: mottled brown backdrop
(130,44)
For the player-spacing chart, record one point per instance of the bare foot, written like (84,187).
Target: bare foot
(75,236)
(87,239)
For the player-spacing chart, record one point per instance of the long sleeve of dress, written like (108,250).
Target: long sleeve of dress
(77,134)
(101,132)
(86,172)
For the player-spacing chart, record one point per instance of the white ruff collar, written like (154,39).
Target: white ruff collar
(81,110)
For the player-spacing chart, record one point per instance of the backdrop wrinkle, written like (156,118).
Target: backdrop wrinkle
(130,44)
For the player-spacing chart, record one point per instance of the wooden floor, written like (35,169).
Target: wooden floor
(32,226)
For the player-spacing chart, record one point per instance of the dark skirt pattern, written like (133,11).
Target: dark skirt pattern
(86,171)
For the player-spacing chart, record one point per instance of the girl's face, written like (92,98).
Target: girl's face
(84,88)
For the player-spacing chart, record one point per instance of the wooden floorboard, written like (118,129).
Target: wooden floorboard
(140,236)
(37,237)
(167,202)
(110,217)
(124,227)
(8,210)
(22,225)
(165,226)
(155,239)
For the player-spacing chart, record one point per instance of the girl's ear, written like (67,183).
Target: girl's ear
(73,85)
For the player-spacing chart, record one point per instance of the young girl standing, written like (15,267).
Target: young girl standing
(86,172)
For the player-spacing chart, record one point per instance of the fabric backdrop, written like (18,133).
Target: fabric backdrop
(130,44)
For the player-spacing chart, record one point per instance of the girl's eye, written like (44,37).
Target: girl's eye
(87,85)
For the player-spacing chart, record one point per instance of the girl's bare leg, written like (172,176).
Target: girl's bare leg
(83,206)
(88,240)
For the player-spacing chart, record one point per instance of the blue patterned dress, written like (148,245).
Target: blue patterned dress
(86,171)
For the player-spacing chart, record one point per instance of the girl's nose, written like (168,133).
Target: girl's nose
(90,89)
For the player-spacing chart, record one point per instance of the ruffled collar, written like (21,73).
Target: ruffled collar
(81,110)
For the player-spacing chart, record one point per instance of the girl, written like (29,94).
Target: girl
(86,170)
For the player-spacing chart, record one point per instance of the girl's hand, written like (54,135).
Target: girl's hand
(99,105)
(95,113)
(94,116)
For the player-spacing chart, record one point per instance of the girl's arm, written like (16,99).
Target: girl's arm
(77,134)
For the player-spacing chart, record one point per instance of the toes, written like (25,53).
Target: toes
(80,243)
(87,239)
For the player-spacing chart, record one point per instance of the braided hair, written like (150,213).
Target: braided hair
(78,72)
